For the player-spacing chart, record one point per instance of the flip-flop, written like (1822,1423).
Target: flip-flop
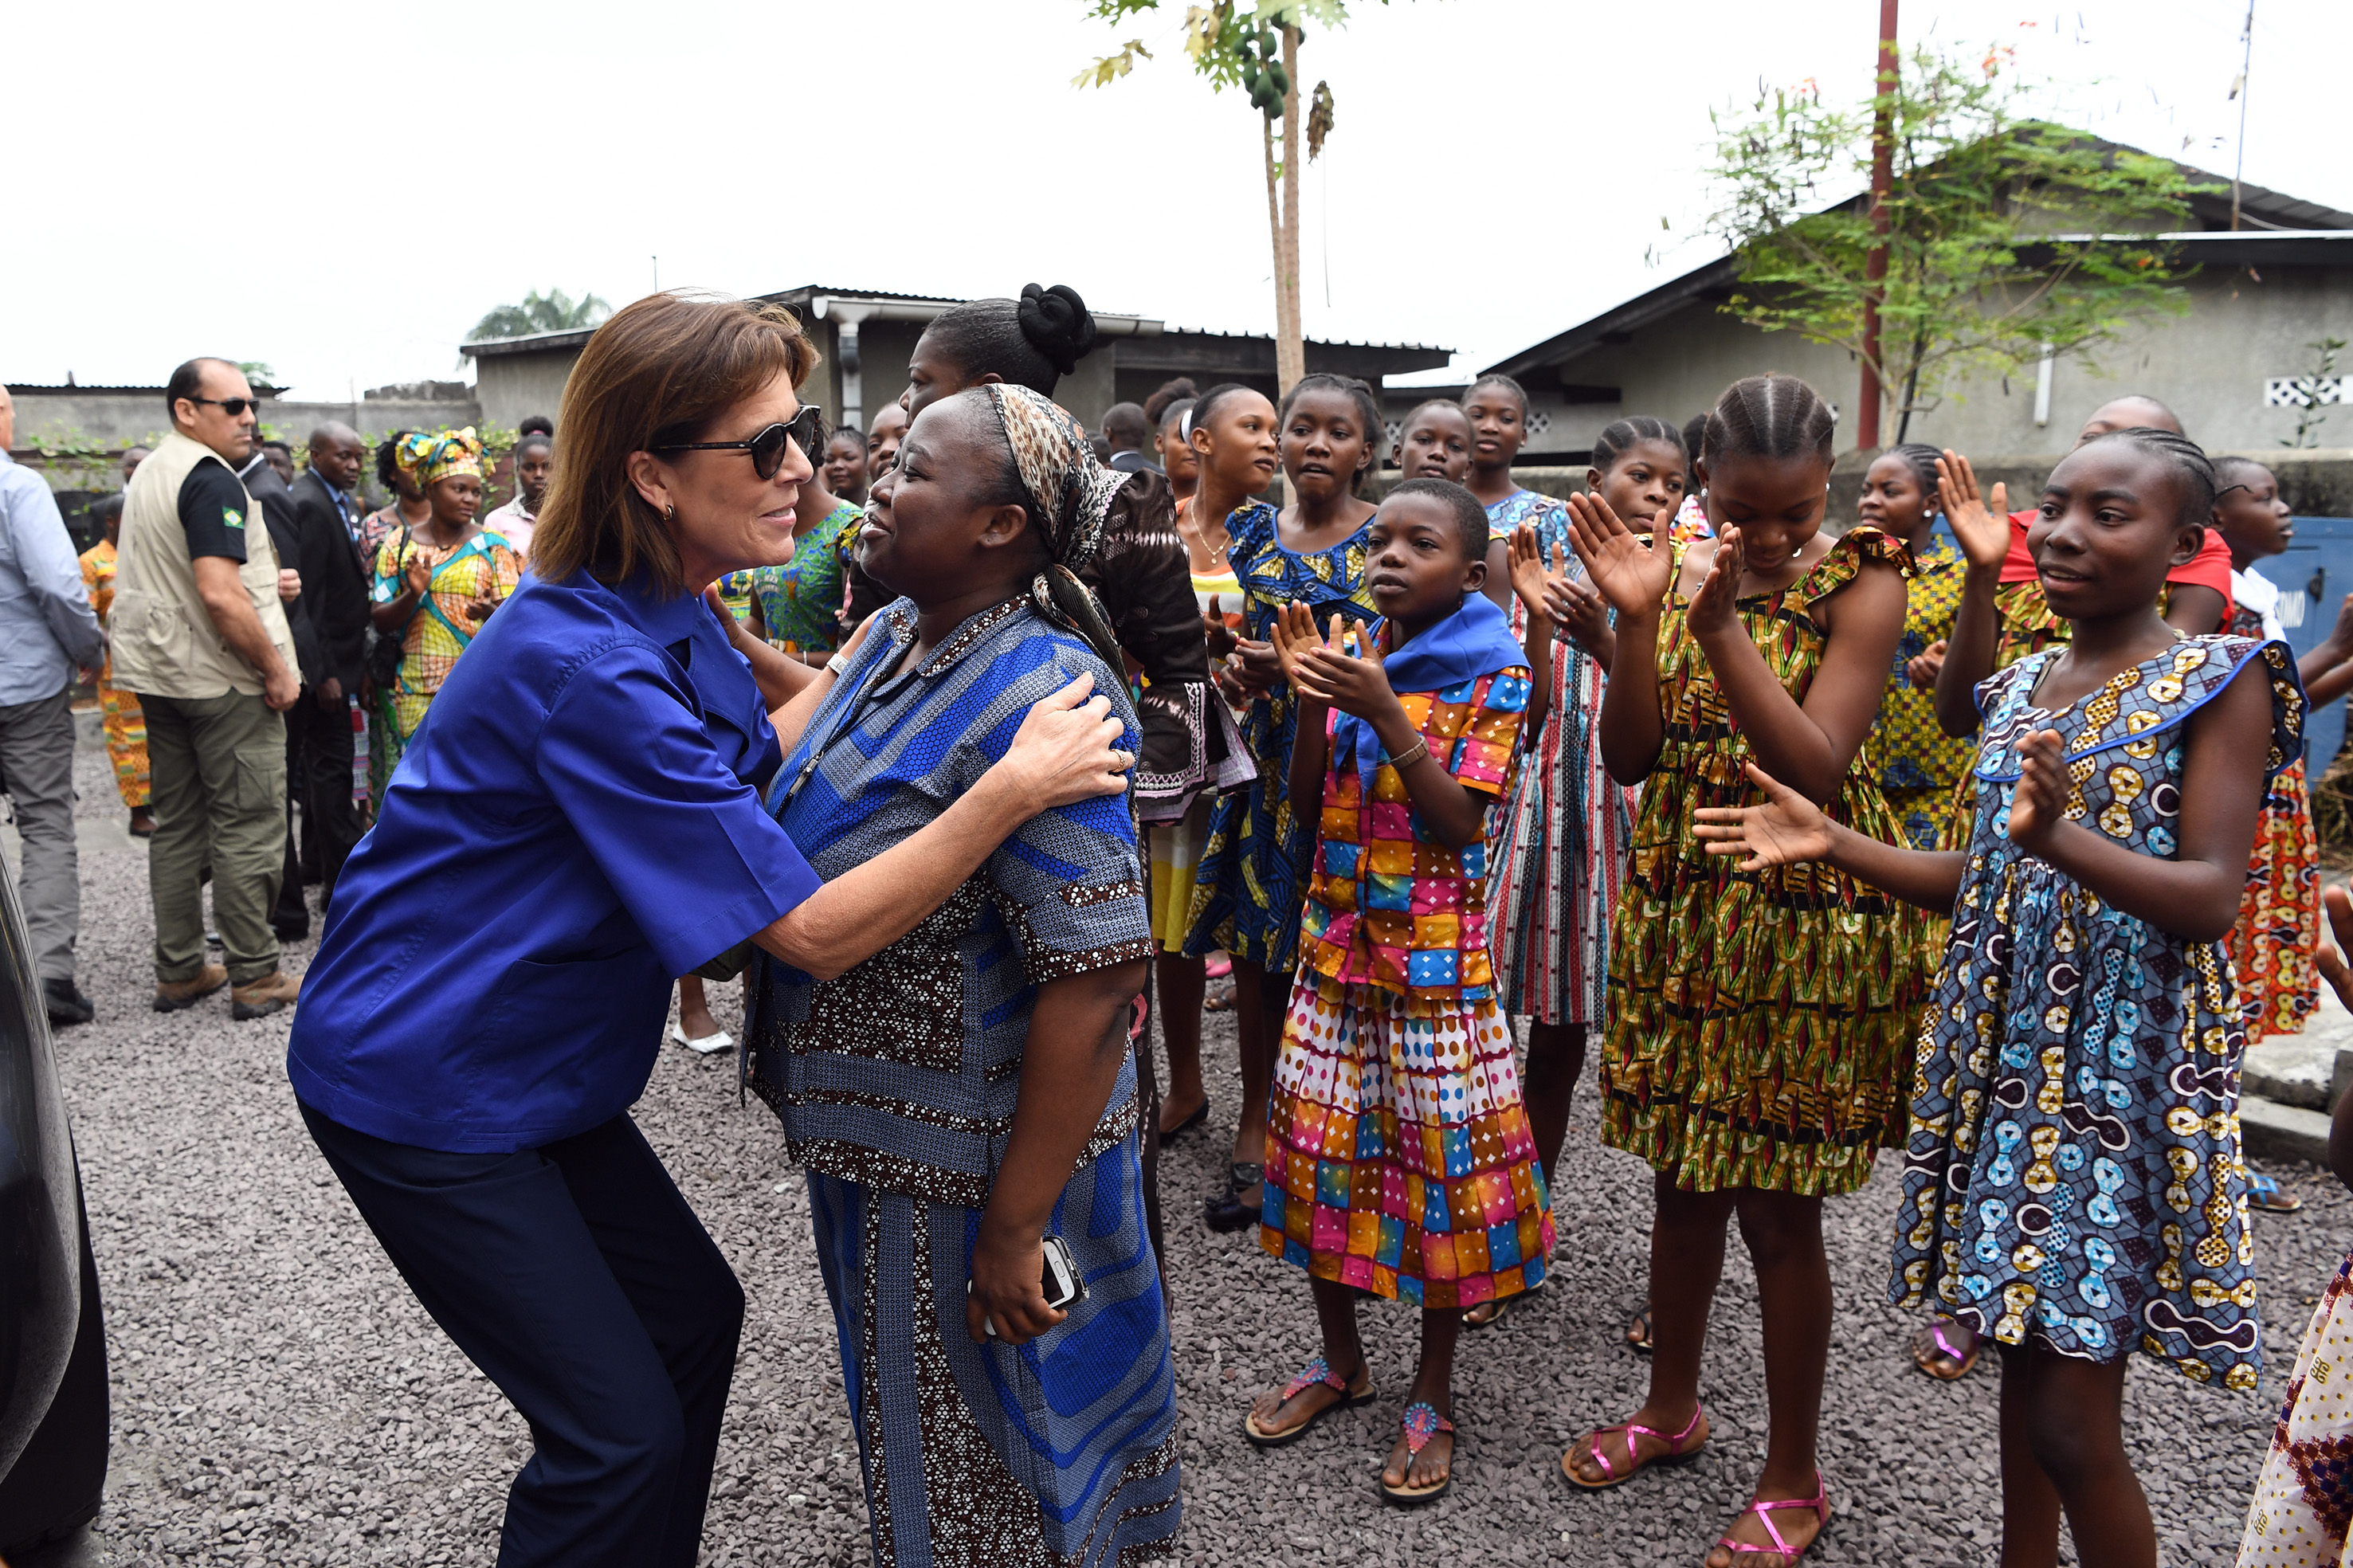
(1676,1453)
(1638,1332)
(703,1045)
(1963,1356)
(1502,1305)
(2265,1194)
(1306,1377)
(1763,1509)
(1421,1422)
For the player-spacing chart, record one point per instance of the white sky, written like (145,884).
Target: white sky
(345,191)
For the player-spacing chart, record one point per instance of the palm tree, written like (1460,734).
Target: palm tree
(554,311)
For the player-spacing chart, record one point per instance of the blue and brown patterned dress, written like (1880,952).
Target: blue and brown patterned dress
(1758,1020)
(1252,881)
(896,1083)
(2074,1169)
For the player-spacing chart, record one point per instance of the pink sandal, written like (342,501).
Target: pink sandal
(1763,1509)
(1676,1453)
(1421,1422)
(1318,1371)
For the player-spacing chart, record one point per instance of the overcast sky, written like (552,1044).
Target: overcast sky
(341,193)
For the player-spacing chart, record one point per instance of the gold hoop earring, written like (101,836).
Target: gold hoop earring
(670,514)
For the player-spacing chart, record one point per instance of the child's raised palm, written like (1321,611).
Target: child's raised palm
(1329,674)
(1786,830)
(1293,631)
(1632,575)
(1526,562)
(1983,533)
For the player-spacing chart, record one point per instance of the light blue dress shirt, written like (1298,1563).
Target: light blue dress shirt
(47,627)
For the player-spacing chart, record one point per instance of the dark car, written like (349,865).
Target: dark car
(53,1394)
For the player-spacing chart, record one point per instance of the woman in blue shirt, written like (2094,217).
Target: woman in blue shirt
(576,822)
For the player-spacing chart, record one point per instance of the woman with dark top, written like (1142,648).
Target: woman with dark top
(969,1088)
(488,997)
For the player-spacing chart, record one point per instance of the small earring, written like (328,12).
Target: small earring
(670,514)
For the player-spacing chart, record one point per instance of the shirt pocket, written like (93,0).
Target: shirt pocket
(543,1047)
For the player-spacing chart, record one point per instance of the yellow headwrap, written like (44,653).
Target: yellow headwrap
(440,454)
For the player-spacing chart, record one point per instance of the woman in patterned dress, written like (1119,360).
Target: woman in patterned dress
(1399,1157)
(1251,880)
(126,726)
(1559,848)
(969,1089)
(1919,765)
(406,509)
(1755,1048)
(2075,1188)
(435,587)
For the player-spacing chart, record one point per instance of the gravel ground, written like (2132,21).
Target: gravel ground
(280,1398)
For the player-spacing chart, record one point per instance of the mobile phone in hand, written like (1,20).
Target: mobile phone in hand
(1061,1281)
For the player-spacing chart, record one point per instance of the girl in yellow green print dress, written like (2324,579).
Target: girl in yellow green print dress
(435,587)
(1399,1159)
(1758,1047)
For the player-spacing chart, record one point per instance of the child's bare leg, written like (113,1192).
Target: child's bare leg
(2063,1446)
(1784,1235)
(1434,1384)
(694,1011)
(1181,986)
(1555,1061)
(1686,1261)
(1258,1000)
(1344,1353)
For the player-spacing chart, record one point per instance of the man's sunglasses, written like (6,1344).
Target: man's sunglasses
(234,407)
(768,447)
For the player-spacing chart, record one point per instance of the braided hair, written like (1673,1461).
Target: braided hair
(2230,472)
(1031,342)
(1922,460)
(387,461)
(1368,407)
(2188,460)
(1768,416)
(1623,436)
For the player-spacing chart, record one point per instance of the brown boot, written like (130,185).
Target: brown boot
(171,996)
(259,998)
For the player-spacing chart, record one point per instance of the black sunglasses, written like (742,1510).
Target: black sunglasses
(234,407)
(768,447)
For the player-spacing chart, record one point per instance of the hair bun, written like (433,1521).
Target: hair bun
(1056,323)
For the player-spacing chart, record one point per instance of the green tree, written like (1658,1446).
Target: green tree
(258,372)
(553,311)
(1255,48)
(2008,237)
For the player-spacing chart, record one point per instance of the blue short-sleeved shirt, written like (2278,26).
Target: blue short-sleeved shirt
(576,823)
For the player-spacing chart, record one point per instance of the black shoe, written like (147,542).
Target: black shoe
(65,1002)
(292,928)
(1226,1211)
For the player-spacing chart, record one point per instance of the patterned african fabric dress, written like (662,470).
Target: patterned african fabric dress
(1758,1021)
(800,600)
(1919,765)
(1691,522)
(1249,881)
(1398,1155)
(2278,932)
(1176,846)
(484,567)
(2074,1168)
(2304,1498)
(897,1082)
(126,726)
(735,593)
(1559,845)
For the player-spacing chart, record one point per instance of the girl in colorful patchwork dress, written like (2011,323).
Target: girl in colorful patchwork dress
(1559,848)
(2272,946)
(1399,1157)
(2075,1188)
(1251,877)
(1754,1053)
(435,587)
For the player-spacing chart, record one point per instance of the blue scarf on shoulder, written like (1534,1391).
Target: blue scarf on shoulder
(1475,640)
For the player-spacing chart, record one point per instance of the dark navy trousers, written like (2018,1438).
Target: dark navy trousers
(577,1278)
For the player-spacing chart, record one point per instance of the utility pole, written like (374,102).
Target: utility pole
(1874,268)
(2239,91)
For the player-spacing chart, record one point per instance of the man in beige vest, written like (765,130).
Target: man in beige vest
(199,634)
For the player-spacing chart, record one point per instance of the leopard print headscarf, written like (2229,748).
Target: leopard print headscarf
(1071,495)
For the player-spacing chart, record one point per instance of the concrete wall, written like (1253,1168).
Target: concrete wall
(512,387)
(2208,366)
(118,420)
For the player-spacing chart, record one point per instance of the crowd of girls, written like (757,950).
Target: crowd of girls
(1823,836)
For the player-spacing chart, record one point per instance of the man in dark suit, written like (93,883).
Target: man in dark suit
(291,919)
(336,590)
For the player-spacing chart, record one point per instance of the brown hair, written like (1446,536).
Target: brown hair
(661,371)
